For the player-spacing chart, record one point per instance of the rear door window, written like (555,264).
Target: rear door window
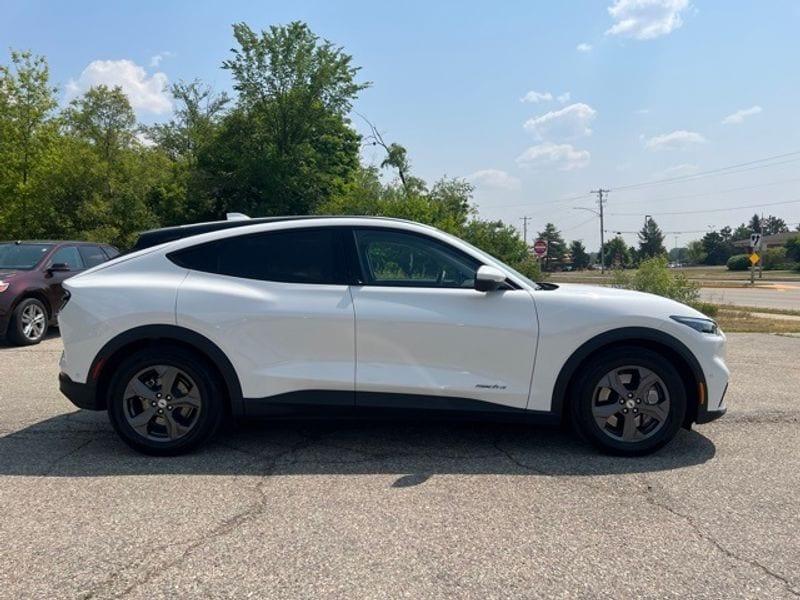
(92,255)
(290,256)
(69,256)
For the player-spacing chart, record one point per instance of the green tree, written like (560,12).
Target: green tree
(717,246)
(580,258)
(651,240)
(695,252)
(793,249)
(556,247)
(772,225)
(195,120)
(616,252)
(28,130)
(287,146)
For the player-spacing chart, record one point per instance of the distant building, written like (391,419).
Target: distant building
(770,241)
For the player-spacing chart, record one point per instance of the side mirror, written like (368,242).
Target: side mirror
(58,268)
(488,279)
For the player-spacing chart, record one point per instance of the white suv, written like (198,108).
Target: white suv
(323,315)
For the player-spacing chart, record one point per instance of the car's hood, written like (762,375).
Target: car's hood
(625,301)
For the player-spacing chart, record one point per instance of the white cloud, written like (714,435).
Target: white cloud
(145,93)
(564,157)
(566,123)
(564,98)
(646,19)
(583,47)
(495,179)
(536,97)
(678,171)
(677,140)
(156,59)
(643,111)
(741,115)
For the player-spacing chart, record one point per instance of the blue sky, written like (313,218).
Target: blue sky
(501,93)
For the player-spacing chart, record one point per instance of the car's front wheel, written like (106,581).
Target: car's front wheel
(165,401)
(29,322)
(628,401)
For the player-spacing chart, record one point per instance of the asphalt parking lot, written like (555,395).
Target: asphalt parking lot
(401,510)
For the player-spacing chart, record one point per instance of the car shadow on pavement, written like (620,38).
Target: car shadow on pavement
(82,444)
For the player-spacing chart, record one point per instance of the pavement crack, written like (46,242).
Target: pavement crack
(651,497)
(228,526)
(52,466)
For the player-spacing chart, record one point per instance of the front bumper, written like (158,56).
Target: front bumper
(704,415)
(82,395)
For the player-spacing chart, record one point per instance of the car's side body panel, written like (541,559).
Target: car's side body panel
(130,295)
(573,315)
(280,337)
(448,342)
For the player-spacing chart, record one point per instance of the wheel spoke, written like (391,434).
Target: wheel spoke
(167,376)
(613,382)
(629,429)
(192,399)
(604,412)
(647,381)
(142,420)
(657,411)
(174,429)
(138,388)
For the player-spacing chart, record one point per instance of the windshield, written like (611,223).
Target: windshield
(21,256)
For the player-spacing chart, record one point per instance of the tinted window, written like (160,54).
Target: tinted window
(69,256)
(92,256)
(394,258)
(111,251)
(22,256)
(295,256)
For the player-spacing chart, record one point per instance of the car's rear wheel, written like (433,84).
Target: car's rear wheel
(29,322)
(628,401)
(165,401)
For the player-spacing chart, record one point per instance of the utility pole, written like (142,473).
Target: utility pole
(600,202)
(525,229)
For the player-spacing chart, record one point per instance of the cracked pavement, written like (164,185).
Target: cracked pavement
(365,509)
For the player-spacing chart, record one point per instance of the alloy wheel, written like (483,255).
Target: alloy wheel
(162,403)
(34,321)
(630,403)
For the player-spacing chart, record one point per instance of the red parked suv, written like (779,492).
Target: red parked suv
(31,274)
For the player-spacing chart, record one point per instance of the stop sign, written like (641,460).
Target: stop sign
(540,247)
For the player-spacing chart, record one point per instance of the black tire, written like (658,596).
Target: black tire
(211,409)
(583,398)
(16,327)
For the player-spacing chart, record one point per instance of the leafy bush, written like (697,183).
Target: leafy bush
(654,277)
(739,262)
(775,258)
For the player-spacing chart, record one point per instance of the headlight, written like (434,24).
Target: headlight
(3,286)
(698,324)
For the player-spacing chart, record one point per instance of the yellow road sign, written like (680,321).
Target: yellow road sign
(754,258)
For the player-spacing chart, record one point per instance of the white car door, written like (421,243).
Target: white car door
(426,338)
(278,305)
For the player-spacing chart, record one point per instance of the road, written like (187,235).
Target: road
(777,295)
(401,510)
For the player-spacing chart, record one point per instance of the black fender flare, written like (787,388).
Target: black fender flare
(618,336)
(155,333)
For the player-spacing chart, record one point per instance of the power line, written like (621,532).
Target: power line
(715,193)
(709,210)
(709,172)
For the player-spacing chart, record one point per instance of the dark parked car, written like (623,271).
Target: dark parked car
(31,274)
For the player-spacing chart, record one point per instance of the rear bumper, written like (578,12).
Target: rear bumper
(82,395)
